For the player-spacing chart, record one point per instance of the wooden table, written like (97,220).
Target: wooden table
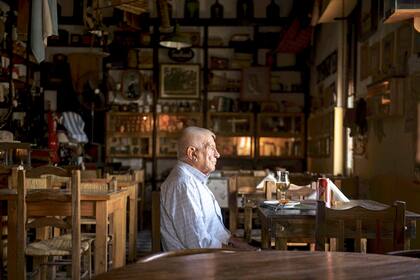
(299,224)
(272,265)
(98,205)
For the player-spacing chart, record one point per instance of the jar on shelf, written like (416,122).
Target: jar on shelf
(216,10)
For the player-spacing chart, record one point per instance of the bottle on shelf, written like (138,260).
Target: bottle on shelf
(191,9)
(216,10)
(272,10)
(245,9)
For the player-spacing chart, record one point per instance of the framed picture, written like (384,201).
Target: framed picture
(131,84)
(255,84)
(179,81)
(71,11)
(388,48)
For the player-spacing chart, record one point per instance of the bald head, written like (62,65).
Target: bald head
(197,147)
(192,136)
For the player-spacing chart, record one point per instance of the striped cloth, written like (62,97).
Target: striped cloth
(74,124)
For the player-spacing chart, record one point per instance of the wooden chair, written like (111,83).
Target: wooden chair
(185,252)
(138,177)
(360,224)
(66,245)
(242,187)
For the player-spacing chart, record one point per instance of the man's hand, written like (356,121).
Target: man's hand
(240,243)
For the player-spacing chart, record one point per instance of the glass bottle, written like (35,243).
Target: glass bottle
(245,9)
(191,9)
(272,10)
(216,10)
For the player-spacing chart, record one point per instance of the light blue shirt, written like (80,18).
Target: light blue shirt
(190,215)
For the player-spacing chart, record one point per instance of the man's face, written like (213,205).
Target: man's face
(207,156)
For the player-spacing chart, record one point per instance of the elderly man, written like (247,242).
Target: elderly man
(190,215)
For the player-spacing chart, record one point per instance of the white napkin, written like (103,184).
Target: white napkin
(338,195)
(268,178)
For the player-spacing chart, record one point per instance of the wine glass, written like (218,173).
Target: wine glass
(282,185)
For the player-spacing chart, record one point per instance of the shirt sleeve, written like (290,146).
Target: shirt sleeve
(188,218)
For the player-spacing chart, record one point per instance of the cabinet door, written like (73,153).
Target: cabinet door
(231,124)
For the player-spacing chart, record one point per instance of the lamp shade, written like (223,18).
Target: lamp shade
(176,40)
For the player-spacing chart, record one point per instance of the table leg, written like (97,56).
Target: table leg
(13,258)
(119,229)
(281,237)
(101,247)
(132,227)
(265,235)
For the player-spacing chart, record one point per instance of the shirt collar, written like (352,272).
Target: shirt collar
(200,176)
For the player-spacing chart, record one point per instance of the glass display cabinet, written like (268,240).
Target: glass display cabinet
(280,135)
(234,133)
(129,135)
(169,128)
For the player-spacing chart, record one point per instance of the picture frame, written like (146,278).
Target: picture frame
(71,11)
(131,85)
(179,81)
(75,39)
(255,85)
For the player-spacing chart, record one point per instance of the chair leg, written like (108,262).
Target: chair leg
(248,222)
(39,268)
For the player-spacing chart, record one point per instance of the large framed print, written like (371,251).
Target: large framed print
(255,84)
(179,81)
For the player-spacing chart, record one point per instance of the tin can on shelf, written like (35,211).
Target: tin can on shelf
(323,191)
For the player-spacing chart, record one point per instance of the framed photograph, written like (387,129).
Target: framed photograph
(75,39)
(255,84)
(71,11)
(179,81)
(131,84)
(388,49)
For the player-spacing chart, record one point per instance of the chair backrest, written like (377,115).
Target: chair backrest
(185,252)
(98,185)
(90,174)
(361,224)
(56,177)
(56,199)
(246,186)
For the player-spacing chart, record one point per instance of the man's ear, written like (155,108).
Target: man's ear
(191,153)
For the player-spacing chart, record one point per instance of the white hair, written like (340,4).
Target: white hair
(192,136)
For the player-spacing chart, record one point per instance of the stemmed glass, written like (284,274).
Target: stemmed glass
(282,185)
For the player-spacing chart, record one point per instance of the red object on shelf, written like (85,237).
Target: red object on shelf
(53,138)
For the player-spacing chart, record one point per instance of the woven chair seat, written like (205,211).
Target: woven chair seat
(57,246)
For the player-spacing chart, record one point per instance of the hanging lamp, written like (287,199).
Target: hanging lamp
(176,40)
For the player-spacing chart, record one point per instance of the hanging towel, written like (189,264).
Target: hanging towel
(74,124)
(44,24)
